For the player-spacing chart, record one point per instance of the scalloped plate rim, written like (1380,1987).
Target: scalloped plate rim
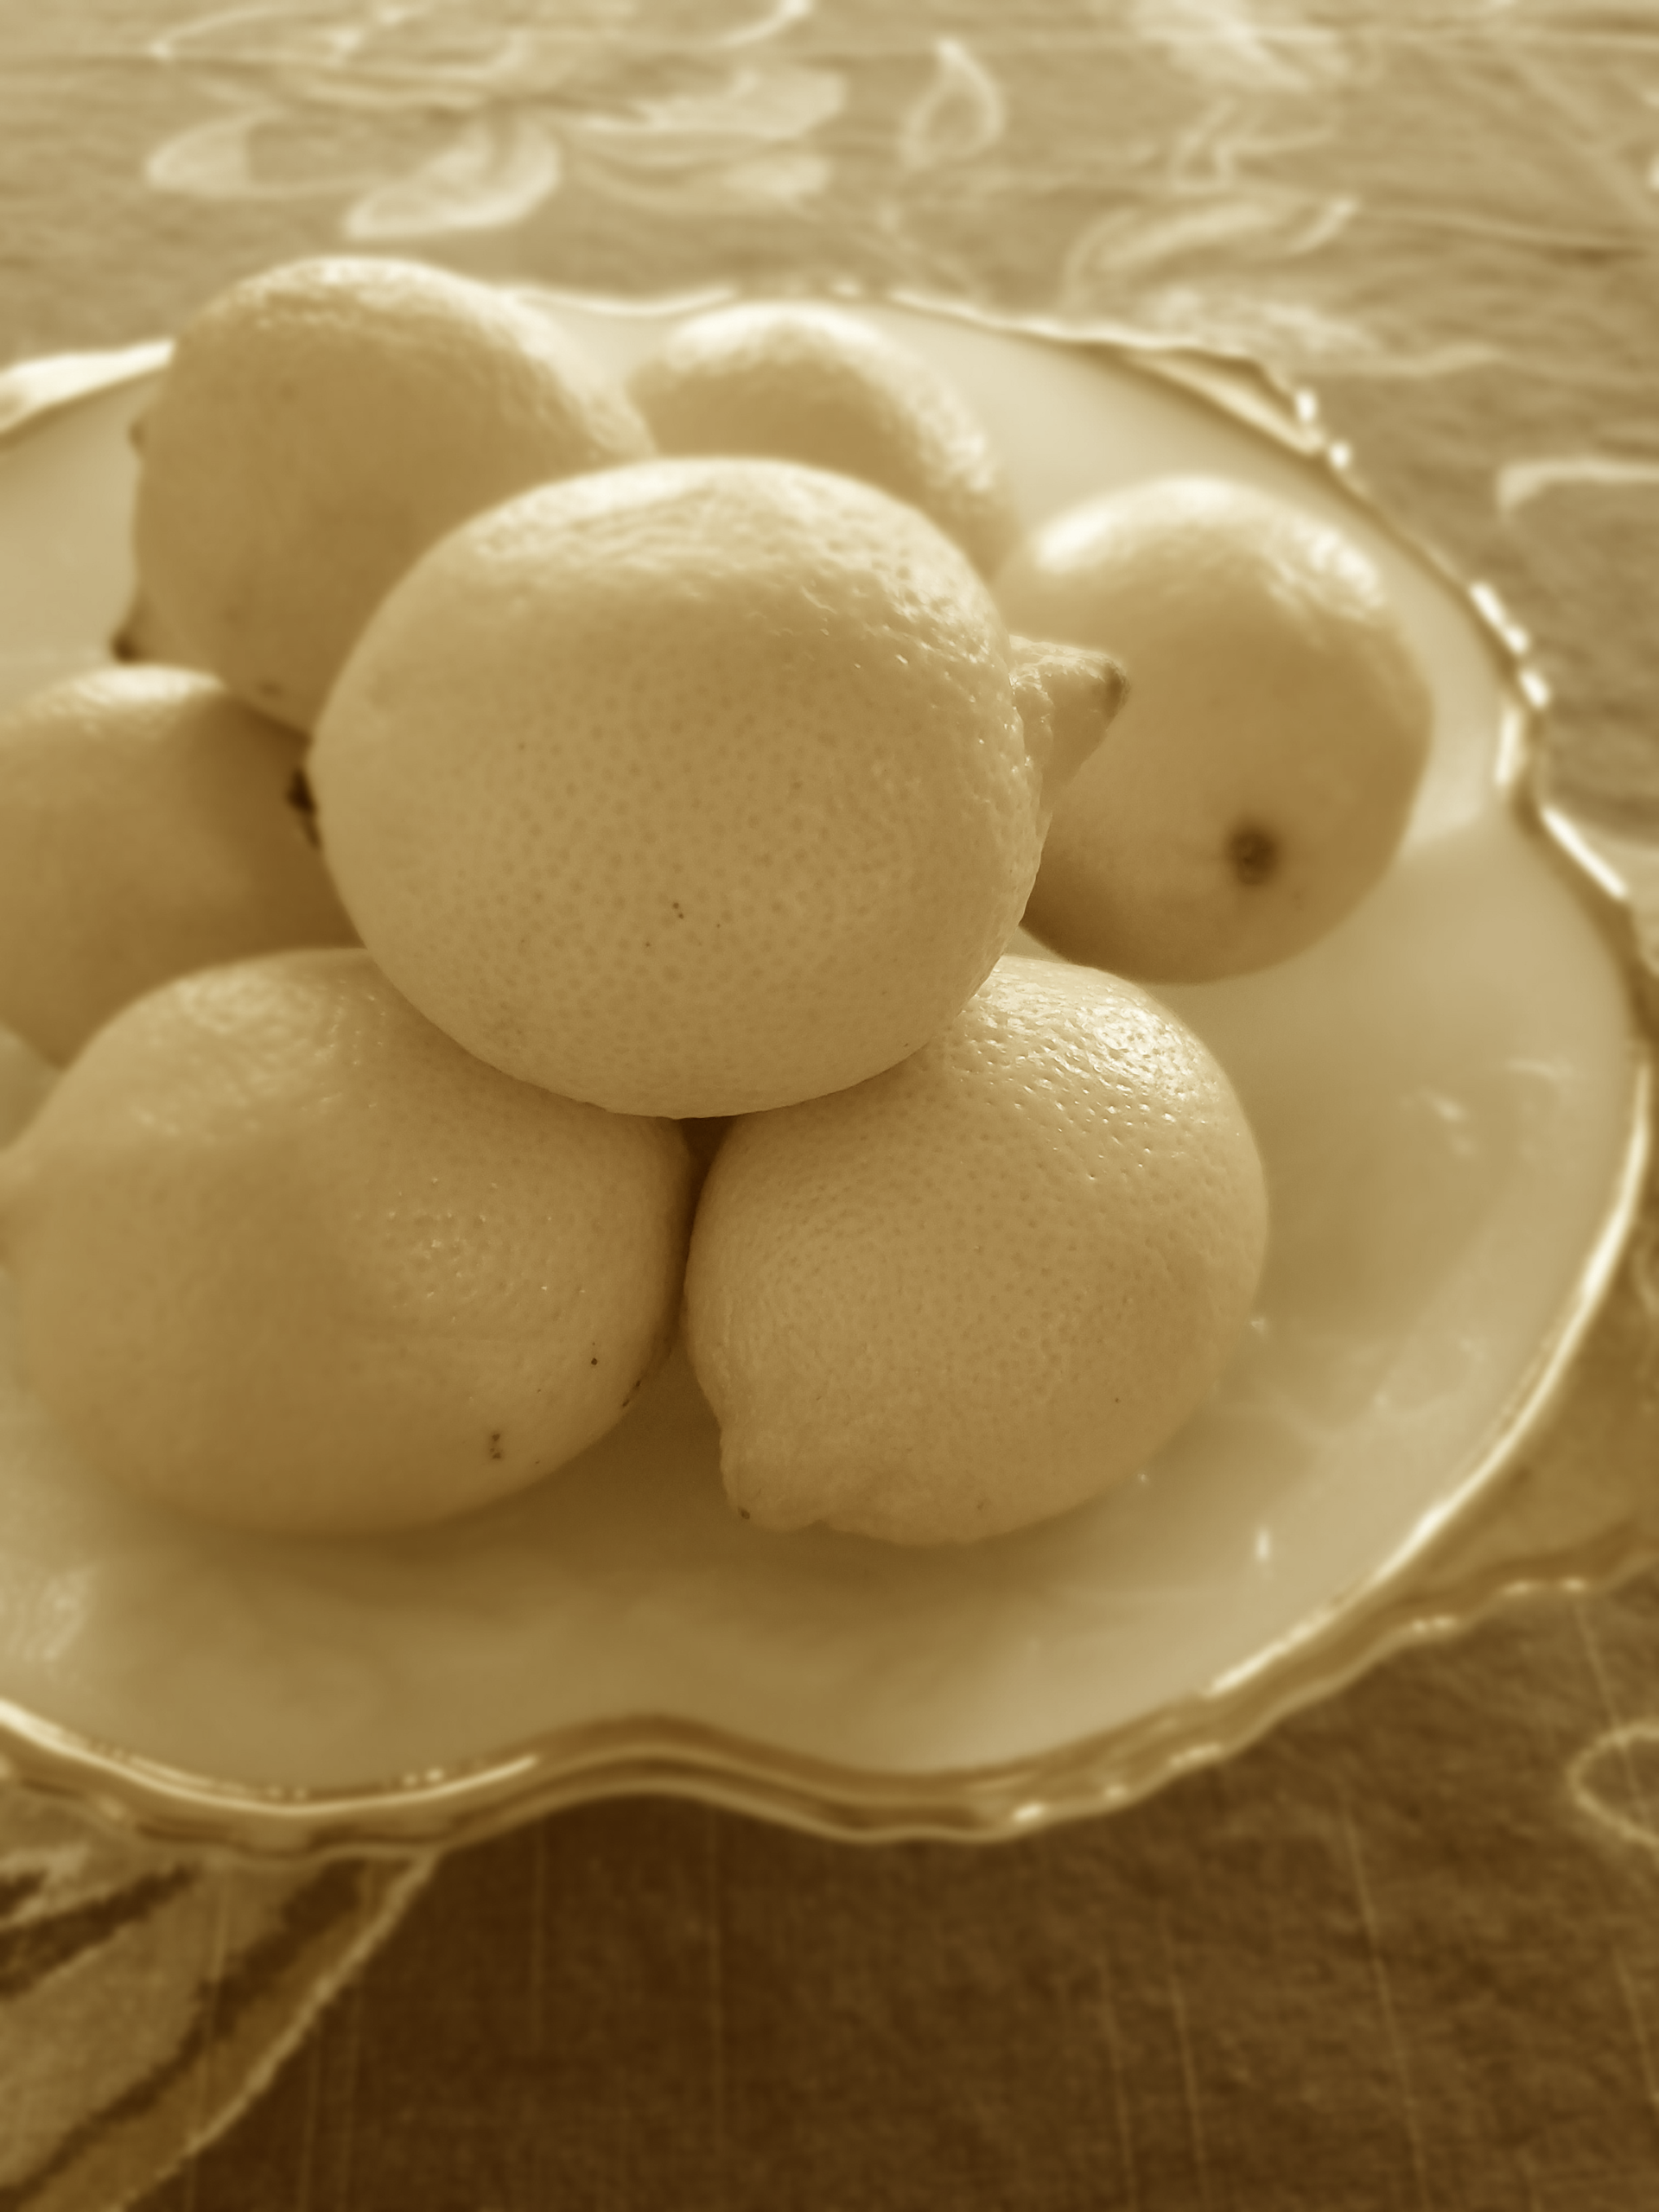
(1099,1772)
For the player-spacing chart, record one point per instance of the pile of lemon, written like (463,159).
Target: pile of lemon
(547,885)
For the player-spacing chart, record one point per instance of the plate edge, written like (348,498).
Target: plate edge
(654,1754)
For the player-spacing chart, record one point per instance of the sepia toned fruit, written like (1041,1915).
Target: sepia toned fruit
(317,428)
(801,381)
(1260,777)
(695,787)
(147,828)
(288,1258)
(986,1284)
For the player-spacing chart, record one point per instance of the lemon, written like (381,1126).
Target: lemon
(1261,776)
(287,1257)
(694,787)
(142,637)
(813,384)
(317,428)
(986,1284)
(145,829)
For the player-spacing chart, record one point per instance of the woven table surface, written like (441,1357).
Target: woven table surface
(1403,1953)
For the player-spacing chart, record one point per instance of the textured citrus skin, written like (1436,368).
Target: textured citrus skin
(810,383)
(1259,779)
(318,426)
(145,829)
(287,1257)
(690,789)
(984,1286)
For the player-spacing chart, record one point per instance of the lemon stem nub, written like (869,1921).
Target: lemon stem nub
(1068,699)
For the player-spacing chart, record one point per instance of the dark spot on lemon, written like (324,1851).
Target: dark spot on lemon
(300,797)
(1253,854)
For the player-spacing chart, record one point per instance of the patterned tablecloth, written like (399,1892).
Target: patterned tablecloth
(1405,1952)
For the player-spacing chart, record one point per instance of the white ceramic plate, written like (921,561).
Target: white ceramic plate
(1450,1096)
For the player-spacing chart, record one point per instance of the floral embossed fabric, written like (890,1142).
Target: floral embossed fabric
(1434,213)
(145,1993)
(1398,1956)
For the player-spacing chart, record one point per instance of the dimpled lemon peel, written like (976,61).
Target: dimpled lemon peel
(146,828)
(813,384)
(695,787)
(321,424)
(986,1284)
(288,1258)
(1261,775)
